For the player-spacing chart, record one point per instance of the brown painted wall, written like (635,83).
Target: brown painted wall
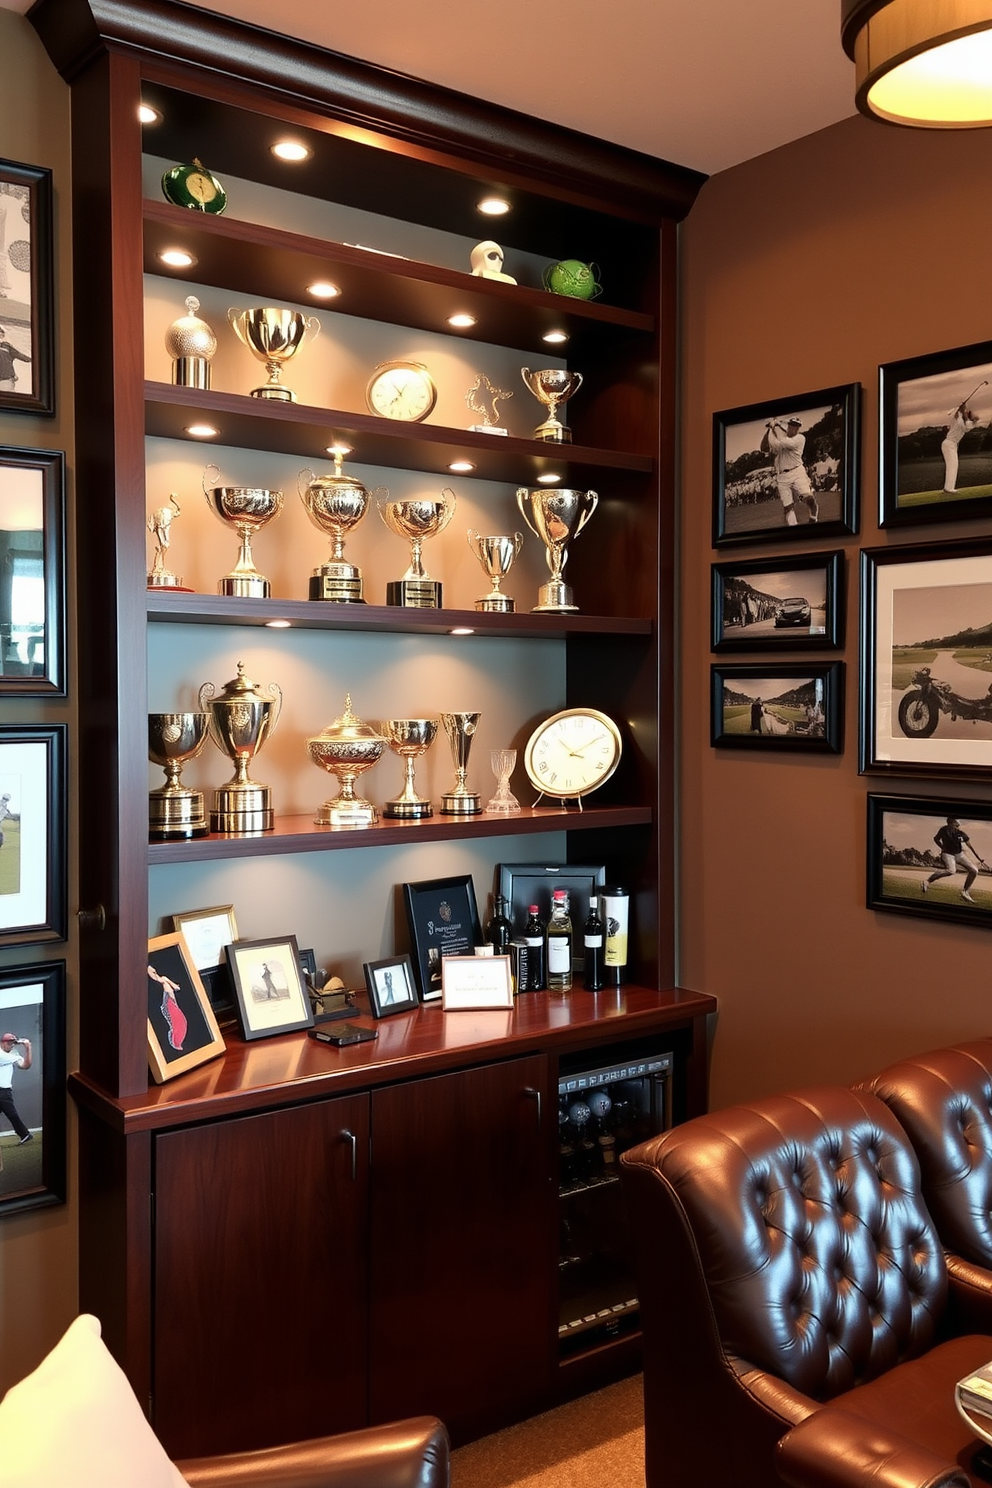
(803,269)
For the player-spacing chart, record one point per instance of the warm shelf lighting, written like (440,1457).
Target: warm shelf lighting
(202,431)
(461,630)
(922,62)
(339,449)
(555,338)
(323,290)
(278,624)
(148,115)
(461,467)
(176,258)
(548,480)
(292,151)
(493,206)
(461,321)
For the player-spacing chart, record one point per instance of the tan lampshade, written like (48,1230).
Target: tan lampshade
(922,62)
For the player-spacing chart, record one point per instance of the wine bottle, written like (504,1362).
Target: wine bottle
(499,931)
(592,938)
(534,936)
(559,943)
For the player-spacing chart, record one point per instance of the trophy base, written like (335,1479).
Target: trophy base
(486,429)
(339,813)
(555,598)
(414,594)
(277,394)
(500,604)
(242,809)
(191,371)
(244,586)
(167,581)
(334,589)
(407,810)
(469,803)
(552,432)
(175,815)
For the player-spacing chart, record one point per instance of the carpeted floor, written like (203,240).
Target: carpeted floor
(595,1442)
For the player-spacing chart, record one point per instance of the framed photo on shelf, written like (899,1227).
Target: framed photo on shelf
(443,918)
(268,986)
(927,649)
(776,706)
(791,603)
(391,986)
(182,1029)
(935,440)
(208,933)
(27,333)
(33,1138)
(524,884)
(32,834)
(472,983)
(787,468)
(32,591)
(931,857)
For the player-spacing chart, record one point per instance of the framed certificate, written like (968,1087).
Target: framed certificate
(444,921)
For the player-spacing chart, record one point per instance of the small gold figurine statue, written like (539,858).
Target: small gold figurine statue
(483,398)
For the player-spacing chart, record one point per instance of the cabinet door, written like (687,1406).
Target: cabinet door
(463,1246)
(261,1292)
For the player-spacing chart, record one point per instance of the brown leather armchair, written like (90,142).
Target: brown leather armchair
(405,1454)
(787,1266)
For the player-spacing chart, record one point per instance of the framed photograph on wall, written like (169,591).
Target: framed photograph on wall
(27,332)
(778,707)
(935,443)
(182,1029)
(32,572)
(33,814)
(32,1086)
(268,983)
(791,603)
(927,644)
(391,986)
(787,468)
(443,918)
(931,857)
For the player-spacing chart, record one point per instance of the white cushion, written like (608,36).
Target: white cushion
(75,1423)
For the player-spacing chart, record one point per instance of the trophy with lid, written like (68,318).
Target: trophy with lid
(175,812)
(241,719)
(191,344)
(336,504)
(417,519)
(556,515)
(246,509)
(345,749)
(273,336)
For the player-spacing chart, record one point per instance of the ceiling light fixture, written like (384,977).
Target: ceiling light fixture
(323,290)
(461,321)
(922,62)
(548,480)
(291,150)
(555,338)
(202,431)
(148,115)
(493,206)
(461,467)
(339,449)
(278,624)
(176,258)
(461,630)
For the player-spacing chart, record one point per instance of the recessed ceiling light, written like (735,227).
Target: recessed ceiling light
(291,150)
(323,290)
(339,449)
(461,467)
(278,624)
(548,480)
(494,206)
(555,338)
(202,431)
(461,630)
(148,115)
(176,258)
(461,321)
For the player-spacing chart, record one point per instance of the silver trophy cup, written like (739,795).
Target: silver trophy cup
(556,515)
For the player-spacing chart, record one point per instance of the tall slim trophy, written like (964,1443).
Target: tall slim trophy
(409,738)
(552,386)
(246,509)
(496,554)
(417,519)
(273,336)
(460,729)
(241,719)
(336,504)
(190,343)
(159,524)
(175,812)
(556,515)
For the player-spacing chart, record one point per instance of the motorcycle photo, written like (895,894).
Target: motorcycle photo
(921,706)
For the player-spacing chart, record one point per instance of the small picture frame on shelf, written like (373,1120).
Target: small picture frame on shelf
(33,810)
(787,469)
(473,983)
(792,603)
(931,857)
(778,706)
(268,986)
(27,329)
(208,933)
(33,1141)
(391,986)
(443,919)
(32,596)
(182,1029)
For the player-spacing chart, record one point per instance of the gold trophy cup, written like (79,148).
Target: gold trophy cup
(556,515)
(336,504)
(496,554)
(273,336)
(246,509)
(409,738)
(345,749)
(241,719)
(552,386)
(460,729)
(190,343)
(174,811)
(417,519)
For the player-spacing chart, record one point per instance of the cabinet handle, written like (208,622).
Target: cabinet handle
(350,1137)
(533,1094)
(92,919)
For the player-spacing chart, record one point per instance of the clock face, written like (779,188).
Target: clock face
(573,752)
(401,390)
(193,186)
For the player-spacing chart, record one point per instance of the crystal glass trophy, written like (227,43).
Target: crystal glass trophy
(159,524)
(409,738)
(556,515)
(345,749)
(417,519)
(553,386)
(241,719)
(174,811)
(503,762)
(460,729)
(191,344)
(336,504)
(483,398)
(246,509)
(273,336)
(496,554)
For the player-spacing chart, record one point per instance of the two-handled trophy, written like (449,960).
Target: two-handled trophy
(460,729)
(241,719)
(246,509)
(345,749)
(273,336)
(417,519)
(556,515)
(175,812)
(496,554)
(409,738)
(552,386)
(336,504)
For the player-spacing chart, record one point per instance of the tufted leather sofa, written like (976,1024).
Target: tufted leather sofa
(788,1268)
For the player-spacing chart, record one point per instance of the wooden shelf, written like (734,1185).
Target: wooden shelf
(299,834)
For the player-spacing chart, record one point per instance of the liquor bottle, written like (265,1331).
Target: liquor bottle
(559,943)
(592,937)
(499,931)
(534,936)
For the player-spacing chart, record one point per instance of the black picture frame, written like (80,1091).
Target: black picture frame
(918,398)
(754,603)
(181,1026)
(270,992)
(32,545)
(27,327)
(747,506)
(33,826)
(391,986)
(443,919)
(926,659)
(785,698)
(903,856)
(524,884)
(32,1006)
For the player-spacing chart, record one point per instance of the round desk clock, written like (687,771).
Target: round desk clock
(193,186)
(572,753)
(401,390)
